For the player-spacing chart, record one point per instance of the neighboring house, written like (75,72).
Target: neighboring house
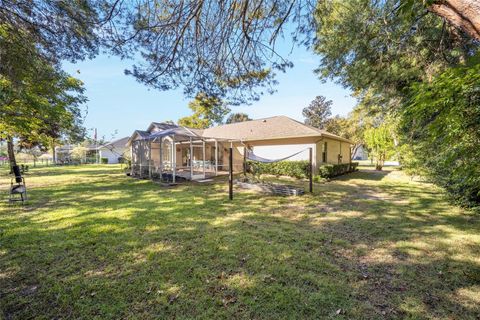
(63,154)
(360,153)
(194,154)
(114,151)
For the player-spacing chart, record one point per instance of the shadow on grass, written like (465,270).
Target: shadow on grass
(115,247)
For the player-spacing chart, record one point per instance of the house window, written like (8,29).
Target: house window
(324,152)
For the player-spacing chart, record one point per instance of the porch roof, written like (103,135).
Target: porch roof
(180,134)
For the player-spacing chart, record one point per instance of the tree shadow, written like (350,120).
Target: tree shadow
(120,248)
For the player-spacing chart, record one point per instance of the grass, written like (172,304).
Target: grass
(93,243)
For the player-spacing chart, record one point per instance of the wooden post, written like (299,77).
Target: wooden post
(310,170)
(230,175)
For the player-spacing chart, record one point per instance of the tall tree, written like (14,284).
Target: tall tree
(36,100)
(237,117)
(207,111)
(318,112)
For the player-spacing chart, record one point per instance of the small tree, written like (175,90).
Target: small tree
(79,153)
(380,142)
(318,112)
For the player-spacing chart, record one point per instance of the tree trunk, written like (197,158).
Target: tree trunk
(353,150)
(464,14)
(11,153)
(54,155)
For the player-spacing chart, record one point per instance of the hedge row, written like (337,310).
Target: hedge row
(297,169)
(333,170)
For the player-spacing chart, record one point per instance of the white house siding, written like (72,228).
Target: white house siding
(360,154)
(282,151)
(112,156)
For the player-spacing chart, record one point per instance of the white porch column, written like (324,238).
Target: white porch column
(174,156)
(191,158)
(131,157)
(161,158)
(216,157)
(203,159)
(150,159)
(142,149)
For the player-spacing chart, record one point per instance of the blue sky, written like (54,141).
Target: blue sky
(118,103)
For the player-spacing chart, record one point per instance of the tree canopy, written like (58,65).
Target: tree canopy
(237,117)
(369,47)
(228,48)
(207,111)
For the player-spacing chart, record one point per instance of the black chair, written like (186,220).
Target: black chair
(18,189)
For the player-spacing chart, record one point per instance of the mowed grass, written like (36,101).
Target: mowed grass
(93,243)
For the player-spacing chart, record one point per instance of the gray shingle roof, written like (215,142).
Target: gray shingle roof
(277,127)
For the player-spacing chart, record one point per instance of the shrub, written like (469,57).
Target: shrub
(128,164)
(296,169)
(104,160)
(332,170)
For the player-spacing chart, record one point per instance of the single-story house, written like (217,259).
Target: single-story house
(166,148)
(114,151)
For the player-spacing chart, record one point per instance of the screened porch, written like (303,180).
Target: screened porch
(178,154)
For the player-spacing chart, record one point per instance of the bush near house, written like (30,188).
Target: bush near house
(104,160)
(333,170)
(297,169)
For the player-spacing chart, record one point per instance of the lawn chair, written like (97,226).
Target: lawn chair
(18,189)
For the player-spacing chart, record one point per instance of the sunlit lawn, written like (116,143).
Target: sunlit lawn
(93,243)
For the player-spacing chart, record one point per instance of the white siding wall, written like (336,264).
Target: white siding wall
(111,156)
(282,151)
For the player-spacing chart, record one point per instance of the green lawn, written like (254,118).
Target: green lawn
(93,243)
